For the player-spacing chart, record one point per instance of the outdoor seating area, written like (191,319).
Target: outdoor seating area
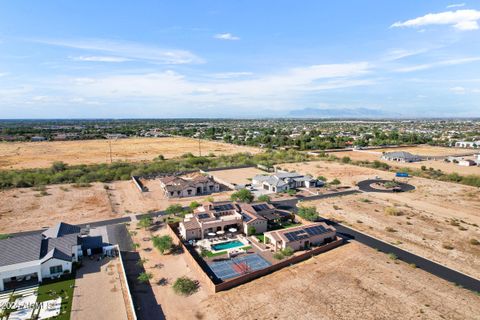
(23,304)
(225,243)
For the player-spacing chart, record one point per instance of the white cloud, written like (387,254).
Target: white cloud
(458,90)
(226,36)
(267,90)
(101,59)
(230,75)
(443,63)
(397,54)
(462,20)
(456,5)
(3,74)
(130,50)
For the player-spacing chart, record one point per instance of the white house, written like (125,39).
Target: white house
(50,254)
(283,181)
(401,156)
(467,163)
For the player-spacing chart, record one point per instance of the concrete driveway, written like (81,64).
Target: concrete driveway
(98,291)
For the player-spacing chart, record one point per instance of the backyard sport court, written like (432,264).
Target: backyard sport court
(237,266)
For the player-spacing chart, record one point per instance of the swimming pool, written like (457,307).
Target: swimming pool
(227,245)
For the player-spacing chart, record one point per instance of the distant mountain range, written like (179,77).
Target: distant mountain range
(340,113)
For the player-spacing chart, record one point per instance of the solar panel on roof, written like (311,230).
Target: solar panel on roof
(260,207)
(224,207)
(203,216)
(245,217)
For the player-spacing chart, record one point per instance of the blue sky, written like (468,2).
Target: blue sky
(163,59)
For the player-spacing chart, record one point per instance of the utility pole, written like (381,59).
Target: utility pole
(110,146)
(199,146)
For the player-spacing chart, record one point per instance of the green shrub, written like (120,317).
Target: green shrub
(185,286)
(243,195)
(163,243)
(308,213)
(144,277)
(278,255)
(264,198)
(287,252)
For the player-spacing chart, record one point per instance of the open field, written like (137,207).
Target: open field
(26,209)
(448,167)
(21,155)
(237,176)
(350,282)
(424,224)
(426,150)
(126,198)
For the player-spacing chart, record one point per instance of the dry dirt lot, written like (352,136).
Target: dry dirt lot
(126,198)
(166,269)
(350,282)
(372,155)
(237,176)
(19,155)
(426,150)
(431,219)
(26,209)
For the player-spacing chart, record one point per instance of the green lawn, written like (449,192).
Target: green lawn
(61,288)
(260,238)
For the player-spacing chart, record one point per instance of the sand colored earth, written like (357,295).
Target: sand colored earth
(27,209)
(165,269)
(350,282)
(126,198)
(19,155)
(237,176)
(428,215)
(448,167)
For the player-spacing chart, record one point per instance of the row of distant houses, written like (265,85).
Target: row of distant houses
(468,144)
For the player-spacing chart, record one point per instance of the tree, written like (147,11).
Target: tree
(308,213)
(251,230)
(144,277)
(58,166)
(322,178)
(264,198)
(145,222)
(185,286)
(174,209)
(243,195)
(335,182)
(163,243)
(193,205)
(346,159)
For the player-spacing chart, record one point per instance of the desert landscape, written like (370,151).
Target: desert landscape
(339,284)
(23,155)
(392,288)
(422,221)
(448,167)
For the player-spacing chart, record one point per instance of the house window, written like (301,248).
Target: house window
(189,191)
(56,269)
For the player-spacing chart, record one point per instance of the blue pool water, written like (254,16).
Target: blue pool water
(227,245)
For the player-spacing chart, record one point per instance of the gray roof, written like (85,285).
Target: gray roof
(61,230)
(56,242)
(401,155)
(21,249)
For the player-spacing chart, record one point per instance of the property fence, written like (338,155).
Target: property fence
(126,289)
(196,262)
(139,184)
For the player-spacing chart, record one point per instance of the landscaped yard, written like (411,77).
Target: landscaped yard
(59,289)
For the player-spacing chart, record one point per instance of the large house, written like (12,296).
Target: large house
(467,144)
(301,237)
(283,181)
(178,187)
(401,156)
(50,254)
(212,217)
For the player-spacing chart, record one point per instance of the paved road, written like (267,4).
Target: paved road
(425,264)
(347,233)
(366,186)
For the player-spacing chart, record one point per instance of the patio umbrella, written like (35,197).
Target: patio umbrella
(220,232)
(211,234)
(232,230)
